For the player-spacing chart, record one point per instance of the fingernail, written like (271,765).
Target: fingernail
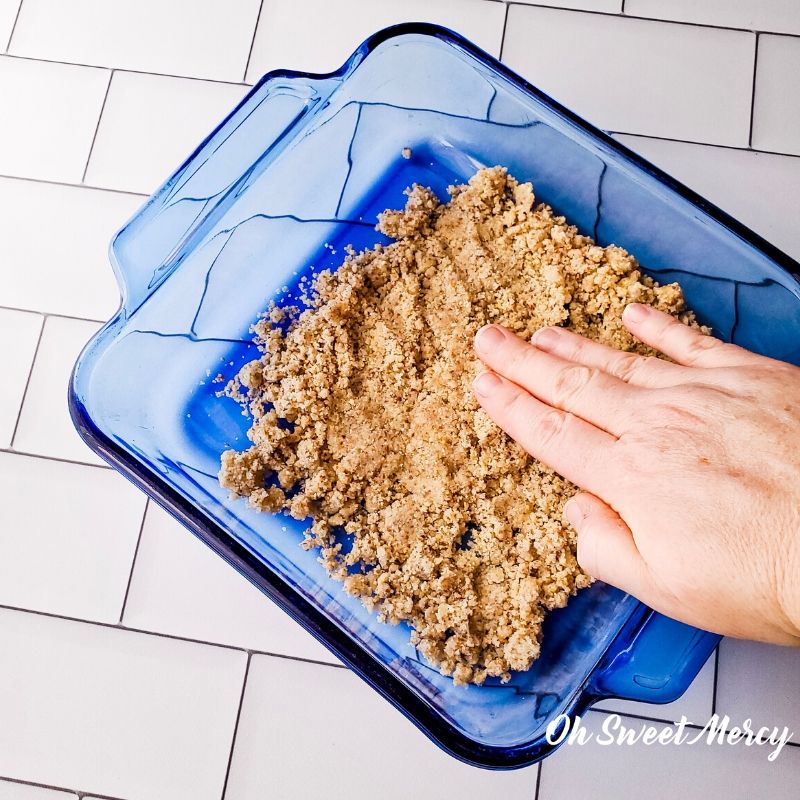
(486,383)
(635,312)
(545,337)
(573,511)
(488,337)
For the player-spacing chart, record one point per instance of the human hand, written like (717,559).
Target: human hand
(690,471)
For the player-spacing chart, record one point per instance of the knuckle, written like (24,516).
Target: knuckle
(520,359)
(512,404)
(575,348)
(698,345)
(549,427)
(629,365)
(572,381)
(677,417)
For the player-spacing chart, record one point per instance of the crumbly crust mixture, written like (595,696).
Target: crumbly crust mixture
(364,418)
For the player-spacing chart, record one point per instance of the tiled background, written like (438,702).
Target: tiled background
(133,663)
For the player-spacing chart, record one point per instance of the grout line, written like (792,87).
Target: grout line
(659,20)
(97,127)
(52,314)
(79,793)
(123,69)
(503,34)
(252,43)
(72,185)
(27,381)
(754,150)
(622,7)
(538,780)
(172,637)
(617,14)
(133,561)
(236,725)
(716,679)
(753,94)
(13,451)
(13,27)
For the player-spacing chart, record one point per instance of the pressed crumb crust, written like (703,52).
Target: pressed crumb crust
(454,527)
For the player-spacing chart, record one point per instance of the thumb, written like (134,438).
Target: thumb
(606,548)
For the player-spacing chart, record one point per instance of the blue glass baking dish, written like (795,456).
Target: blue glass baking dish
(297,171)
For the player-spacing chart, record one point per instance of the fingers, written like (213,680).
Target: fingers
(687,346)
(587,392)
(574,448)
(606,549)
(649,372)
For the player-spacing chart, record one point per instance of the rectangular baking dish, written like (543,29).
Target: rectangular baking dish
(300,169)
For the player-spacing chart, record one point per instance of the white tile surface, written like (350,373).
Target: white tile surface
(738,181)
(8,13)
(605,6)
(760,681)
(325,34)
(19,333)
(358,744)
(696,704)
(150,124)
(22,791)
(630,77)
(54,247)
(50,113)
(781,16)
(776,112)
(181,587)
(200,38)
(67,537)
(131,715)
(630,772)
(45,426)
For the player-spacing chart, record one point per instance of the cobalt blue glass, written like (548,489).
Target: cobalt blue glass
(307,161)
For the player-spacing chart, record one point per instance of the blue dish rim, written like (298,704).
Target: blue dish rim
(447,736)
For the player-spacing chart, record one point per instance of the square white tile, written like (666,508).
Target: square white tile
(324,35)
(199,38)
(150,124)
(776,110)
(782,16)
(23,791)
(737,181)
(760,682)
(8,13)
(50,113)
(67,537)
(700,770)
(54,247)
(624,74)
(360,746)
(180,587)
(127,714)
(19,334)
(696,704)
(45,426)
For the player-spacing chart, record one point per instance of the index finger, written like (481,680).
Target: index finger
(573,447)
(596,396)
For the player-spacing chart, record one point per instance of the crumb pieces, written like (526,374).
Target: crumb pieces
(406,153)
(364,418)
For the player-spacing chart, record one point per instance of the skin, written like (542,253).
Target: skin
(689,471)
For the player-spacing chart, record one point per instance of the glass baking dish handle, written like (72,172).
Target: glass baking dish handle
(653,659)
(151,245)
